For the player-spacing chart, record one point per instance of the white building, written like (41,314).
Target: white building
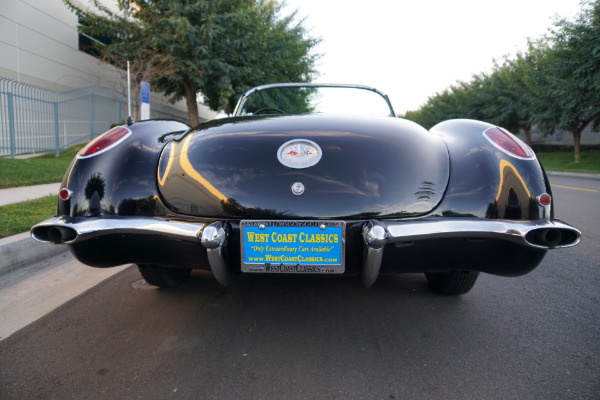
(40,45)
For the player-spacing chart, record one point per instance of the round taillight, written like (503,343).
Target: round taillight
(508,143)
(65,194)
(104,142)
(544,199)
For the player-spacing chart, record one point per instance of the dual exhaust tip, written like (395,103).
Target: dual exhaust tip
(54,234)
(553,237)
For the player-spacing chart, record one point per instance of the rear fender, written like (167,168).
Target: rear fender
(121,180)
(486,182)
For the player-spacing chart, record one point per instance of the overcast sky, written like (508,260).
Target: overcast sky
(413,49)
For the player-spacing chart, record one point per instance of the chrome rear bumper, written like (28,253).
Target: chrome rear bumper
(540,234)
(67,230)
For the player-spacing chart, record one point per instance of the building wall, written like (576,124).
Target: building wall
(588,136)
(39,44)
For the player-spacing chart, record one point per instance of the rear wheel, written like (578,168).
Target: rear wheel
(452,283)
(163,277)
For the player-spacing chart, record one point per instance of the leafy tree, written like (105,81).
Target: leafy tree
(504,98)
(253,56)
(116,43)
(569,74)
(288,100)
(462,100)
(511,93)
(555,85)
(214,48)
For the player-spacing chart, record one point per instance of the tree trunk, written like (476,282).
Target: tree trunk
(577,141)
(136,106)
(190,99)
(527,132)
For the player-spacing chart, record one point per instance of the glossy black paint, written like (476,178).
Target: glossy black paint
(371,167)
(484,181)
(121,181)
(389,168)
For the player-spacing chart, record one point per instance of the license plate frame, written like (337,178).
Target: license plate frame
(293,247)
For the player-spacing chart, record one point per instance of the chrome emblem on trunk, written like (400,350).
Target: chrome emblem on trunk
(297,188)
(299,153)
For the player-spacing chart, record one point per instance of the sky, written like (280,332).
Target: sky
(413,49)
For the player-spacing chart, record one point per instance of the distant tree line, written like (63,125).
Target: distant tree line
(190,48)
(554,85)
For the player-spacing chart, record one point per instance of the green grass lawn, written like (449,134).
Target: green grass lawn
(558,161)
(20,217)
(35,171)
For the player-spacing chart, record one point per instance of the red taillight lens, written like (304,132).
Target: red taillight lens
(544,199)
(105,141)
(65,194)
(508,143)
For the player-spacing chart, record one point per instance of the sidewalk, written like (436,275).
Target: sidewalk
(19,194)
(20,250)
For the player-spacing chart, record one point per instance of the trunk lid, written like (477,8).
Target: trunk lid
(370,167)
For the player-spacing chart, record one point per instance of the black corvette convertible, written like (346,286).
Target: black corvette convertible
(309,179)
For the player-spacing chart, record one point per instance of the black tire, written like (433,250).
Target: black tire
(163,277)
(452,283)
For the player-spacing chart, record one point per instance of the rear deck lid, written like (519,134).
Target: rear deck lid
(312,166)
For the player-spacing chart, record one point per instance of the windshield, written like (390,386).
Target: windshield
(297,99)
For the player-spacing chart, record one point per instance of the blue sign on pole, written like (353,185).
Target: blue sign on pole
(145,92)
(145,106)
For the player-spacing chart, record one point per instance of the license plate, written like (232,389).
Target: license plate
(296,247)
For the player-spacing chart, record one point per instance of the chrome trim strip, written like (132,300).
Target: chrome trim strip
(118,142)
(87,228)
(244,96)
(440,227)
(530,153)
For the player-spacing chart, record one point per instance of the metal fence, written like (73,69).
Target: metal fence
(39,120)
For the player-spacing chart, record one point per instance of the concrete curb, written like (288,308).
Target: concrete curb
(21,250)
(573,174)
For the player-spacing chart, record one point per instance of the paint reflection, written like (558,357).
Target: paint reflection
(513,199)
(233,208)
(426,192)
(95,188)
(142,207)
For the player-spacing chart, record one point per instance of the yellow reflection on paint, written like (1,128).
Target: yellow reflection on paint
(161,180)
(192,173)
(506,170)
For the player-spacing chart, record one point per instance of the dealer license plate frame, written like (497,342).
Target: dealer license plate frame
(297,227)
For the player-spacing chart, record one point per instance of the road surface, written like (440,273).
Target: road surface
(532,337)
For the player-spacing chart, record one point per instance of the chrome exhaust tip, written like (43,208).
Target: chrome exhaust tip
(54,234)
(553,237)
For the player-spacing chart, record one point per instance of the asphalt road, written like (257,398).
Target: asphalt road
(533,337)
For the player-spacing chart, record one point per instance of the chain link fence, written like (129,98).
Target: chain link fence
(34,119)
